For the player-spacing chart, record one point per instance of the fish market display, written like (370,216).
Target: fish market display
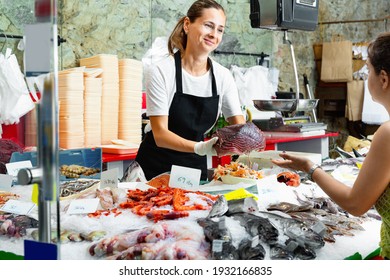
(162,241)
(239,139)
(322,215)
(285,236)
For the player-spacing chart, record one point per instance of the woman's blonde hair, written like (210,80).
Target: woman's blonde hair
(178,38)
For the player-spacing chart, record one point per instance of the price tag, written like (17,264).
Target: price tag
(83,206)
(184,177)
(109,178)
(217,245)
(14,167)
(17,207)
(5,182)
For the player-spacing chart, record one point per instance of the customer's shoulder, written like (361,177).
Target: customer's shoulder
(382,134)
(385,127)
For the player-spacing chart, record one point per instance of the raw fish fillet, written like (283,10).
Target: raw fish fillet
(239,139)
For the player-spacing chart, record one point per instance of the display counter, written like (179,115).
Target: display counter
(118,226)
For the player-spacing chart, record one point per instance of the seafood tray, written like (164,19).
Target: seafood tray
(74,163)
(235,173)
(263,159)
(76,188)
(232,180)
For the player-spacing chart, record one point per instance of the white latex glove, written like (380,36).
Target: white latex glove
(206,148)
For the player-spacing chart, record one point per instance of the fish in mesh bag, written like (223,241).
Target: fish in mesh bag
(239,139)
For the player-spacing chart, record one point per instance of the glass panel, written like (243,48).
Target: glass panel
(33,228)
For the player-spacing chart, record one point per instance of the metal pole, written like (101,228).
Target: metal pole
(47,157)
(296,107)
(311,96)
(46,175)
(285,39)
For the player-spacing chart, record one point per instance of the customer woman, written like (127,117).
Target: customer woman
(186,93)
(371,187)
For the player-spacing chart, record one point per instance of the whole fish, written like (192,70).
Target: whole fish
(239,139)
(220,238)
(256,225)
(220,207)
(247,204)
(250,250)
(215,230)
(296,230)
(288,207)
(304,253)
(311,221)
(133,173)
(324,203)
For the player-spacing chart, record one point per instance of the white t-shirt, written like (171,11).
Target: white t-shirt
(161,88)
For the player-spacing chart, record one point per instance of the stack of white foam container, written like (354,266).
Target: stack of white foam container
(130,96)
(71,108)
(92,107)
(110,93)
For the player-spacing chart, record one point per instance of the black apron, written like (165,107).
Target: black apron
(189,117)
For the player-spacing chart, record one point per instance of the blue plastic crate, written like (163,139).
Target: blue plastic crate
(87,157)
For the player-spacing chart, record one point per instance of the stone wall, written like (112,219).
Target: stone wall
(128,28)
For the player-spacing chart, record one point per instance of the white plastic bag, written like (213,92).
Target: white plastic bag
(256,82)
(15,100)
(373,112)
(158,51)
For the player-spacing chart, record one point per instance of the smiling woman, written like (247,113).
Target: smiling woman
(186,92)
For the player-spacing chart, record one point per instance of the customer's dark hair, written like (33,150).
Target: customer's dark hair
(379,53)
(178,38)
